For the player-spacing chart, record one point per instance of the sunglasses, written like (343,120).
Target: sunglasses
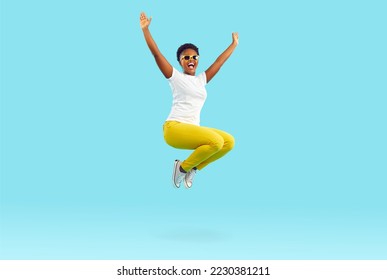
(188,57)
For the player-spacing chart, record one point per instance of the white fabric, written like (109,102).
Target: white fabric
(189,94)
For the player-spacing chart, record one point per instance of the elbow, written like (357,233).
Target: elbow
(219,62)
(156,53)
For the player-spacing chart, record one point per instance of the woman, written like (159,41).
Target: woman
(182,128)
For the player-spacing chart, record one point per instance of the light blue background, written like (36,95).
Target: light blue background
(85,172)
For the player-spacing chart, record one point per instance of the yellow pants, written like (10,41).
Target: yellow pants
(209,144)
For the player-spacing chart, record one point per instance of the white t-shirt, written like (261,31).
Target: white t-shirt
(189,94)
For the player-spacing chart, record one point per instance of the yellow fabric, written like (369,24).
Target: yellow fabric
(209,144)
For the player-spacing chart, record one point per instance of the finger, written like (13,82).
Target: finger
(142,15)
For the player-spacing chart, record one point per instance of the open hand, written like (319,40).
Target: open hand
(235,37)
(144,21)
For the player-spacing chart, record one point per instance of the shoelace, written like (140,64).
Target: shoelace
(180,175)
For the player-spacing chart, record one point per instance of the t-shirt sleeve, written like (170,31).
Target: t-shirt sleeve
(203,78)
(173,74)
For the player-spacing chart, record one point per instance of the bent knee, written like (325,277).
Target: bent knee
(229,143)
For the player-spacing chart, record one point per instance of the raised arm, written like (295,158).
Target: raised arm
(214,68)
(161,61)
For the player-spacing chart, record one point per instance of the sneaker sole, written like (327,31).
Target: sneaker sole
(174,174)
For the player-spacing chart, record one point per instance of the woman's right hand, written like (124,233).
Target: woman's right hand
(144,21)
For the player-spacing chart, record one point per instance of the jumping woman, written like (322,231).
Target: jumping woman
(182,128)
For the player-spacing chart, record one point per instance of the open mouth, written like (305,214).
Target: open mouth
(191,65)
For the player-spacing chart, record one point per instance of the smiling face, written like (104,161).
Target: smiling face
(189,65)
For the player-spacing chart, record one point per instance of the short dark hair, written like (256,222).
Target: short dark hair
(184,47)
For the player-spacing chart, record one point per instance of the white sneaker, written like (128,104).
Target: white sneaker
(177,176)
(188,178)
